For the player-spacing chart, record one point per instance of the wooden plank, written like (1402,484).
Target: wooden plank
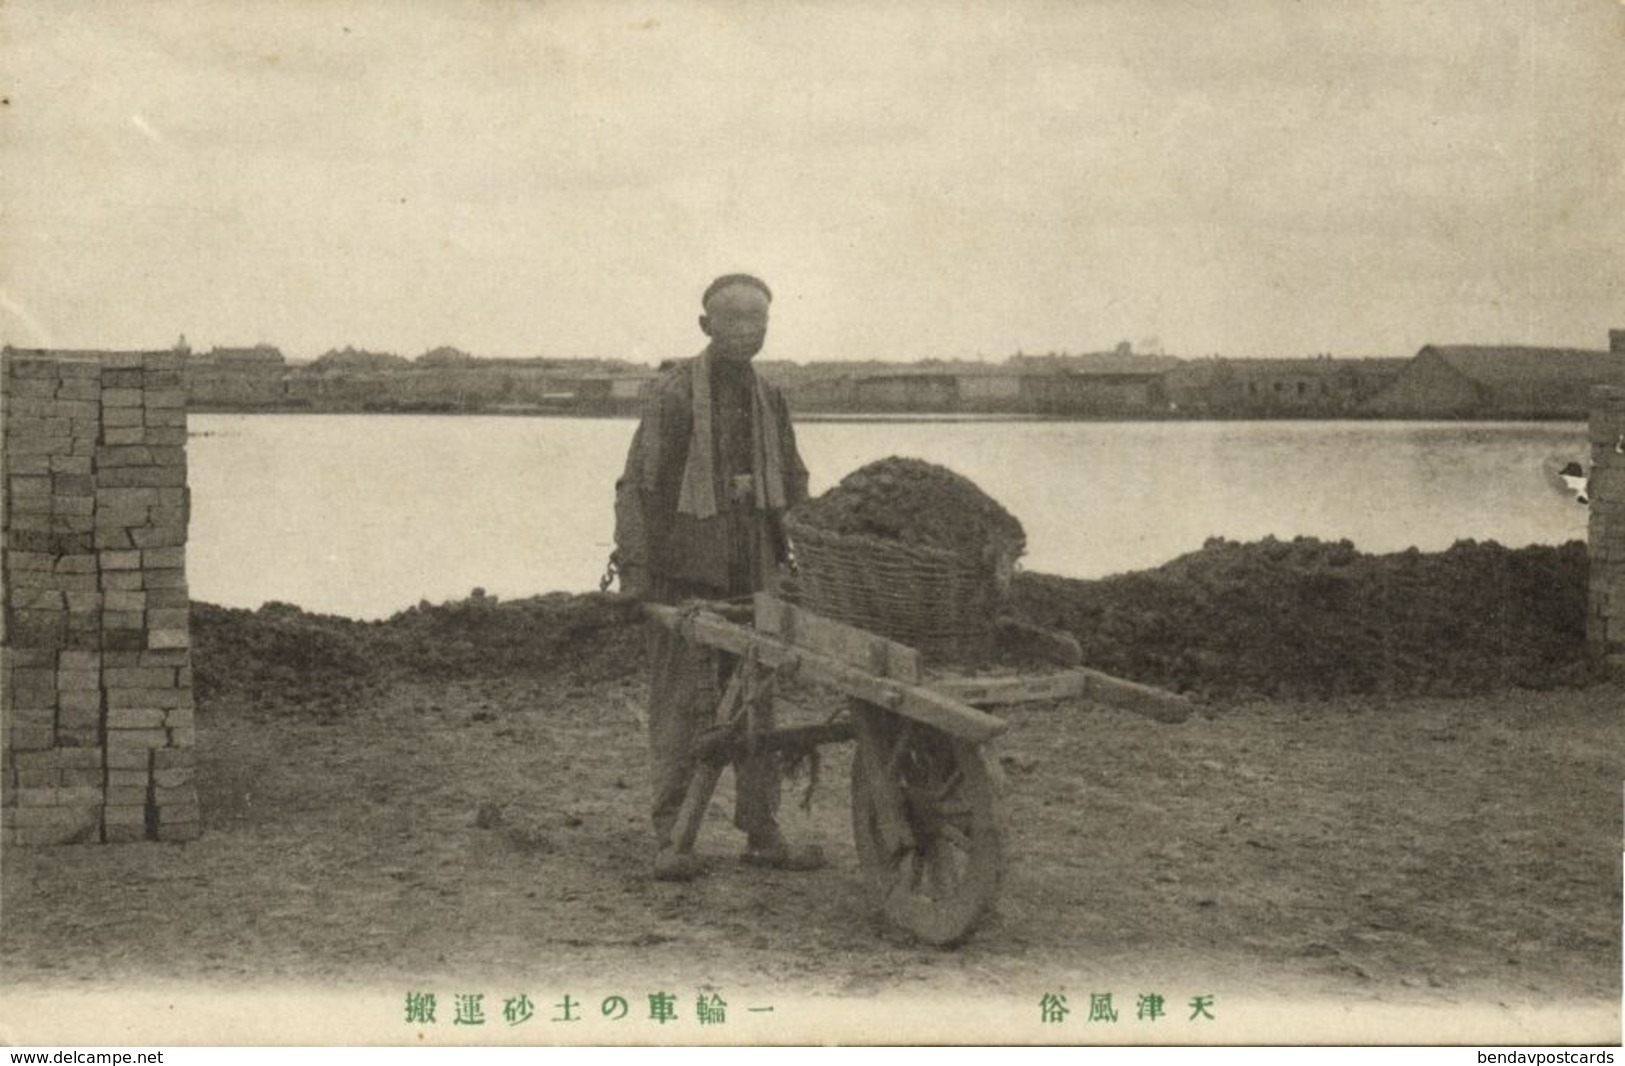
(994,691)
(704,782)
(1157,703)
(849,644)
(1078,683)
(695,801)
(911,701)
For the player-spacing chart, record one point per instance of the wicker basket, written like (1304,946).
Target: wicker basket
(941,603)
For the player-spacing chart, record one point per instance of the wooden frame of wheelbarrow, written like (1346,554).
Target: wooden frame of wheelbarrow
(926,811)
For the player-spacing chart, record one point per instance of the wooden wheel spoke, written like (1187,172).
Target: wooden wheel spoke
(918,795)
(942,875)
(950,785)
(896,862)
(899,750)
(914,868)
(942,872)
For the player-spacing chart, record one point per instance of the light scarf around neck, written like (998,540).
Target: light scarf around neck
(698,496)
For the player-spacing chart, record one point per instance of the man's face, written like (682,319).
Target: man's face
(736,321)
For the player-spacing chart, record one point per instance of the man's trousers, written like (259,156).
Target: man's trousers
(686,683)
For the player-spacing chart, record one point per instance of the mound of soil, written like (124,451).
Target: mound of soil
(281,656)
(1310,618)
(914,502)
(323,662)
(581,638)
(1300,618)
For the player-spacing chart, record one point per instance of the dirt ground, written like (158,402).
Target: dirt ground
(1434,852)
(1372,855)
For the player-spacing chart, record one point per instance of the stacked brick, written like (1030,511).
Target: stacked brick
(1605,600)
(98,732)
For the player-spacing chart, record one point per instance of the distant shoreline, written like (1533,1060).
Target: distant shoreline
(907,418)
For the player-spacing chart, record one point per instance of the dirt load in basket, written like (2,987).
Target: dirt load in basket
(912,551)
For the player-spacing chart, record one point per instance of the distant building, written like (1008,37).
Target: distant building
(586,392)
(908,393)
(836,393)
(990,392)
(1277,388)
(1093,394)
(629,386)
(1499,382)
(235,378)
(261,358)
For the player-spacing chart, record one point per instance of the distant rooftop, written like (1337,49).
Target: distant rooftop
(1516,364)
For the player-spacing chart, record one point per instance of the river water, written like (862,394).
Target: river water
(364,515)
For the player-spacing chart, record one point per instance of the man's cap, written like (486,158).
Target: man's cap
(735,279)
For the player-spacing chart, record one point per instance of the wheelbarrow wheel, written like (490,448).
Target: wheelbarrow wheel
(925,818)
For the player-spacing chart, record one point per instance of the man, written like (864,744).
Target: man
(698,515)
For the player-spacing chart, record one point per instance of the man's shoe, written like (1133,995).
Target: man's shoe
(783,856)
(674,865)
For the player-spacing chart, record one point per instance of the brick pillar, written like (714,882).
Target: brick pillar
(97,736)
(1605,534)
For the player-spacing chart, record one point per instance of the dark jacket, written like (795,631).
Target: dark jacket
(659,550)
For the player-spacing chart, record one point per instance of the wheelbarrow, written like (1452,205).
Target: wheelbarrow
(926,807)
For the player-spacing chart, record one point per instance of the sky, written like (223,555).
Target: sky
(914,179)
